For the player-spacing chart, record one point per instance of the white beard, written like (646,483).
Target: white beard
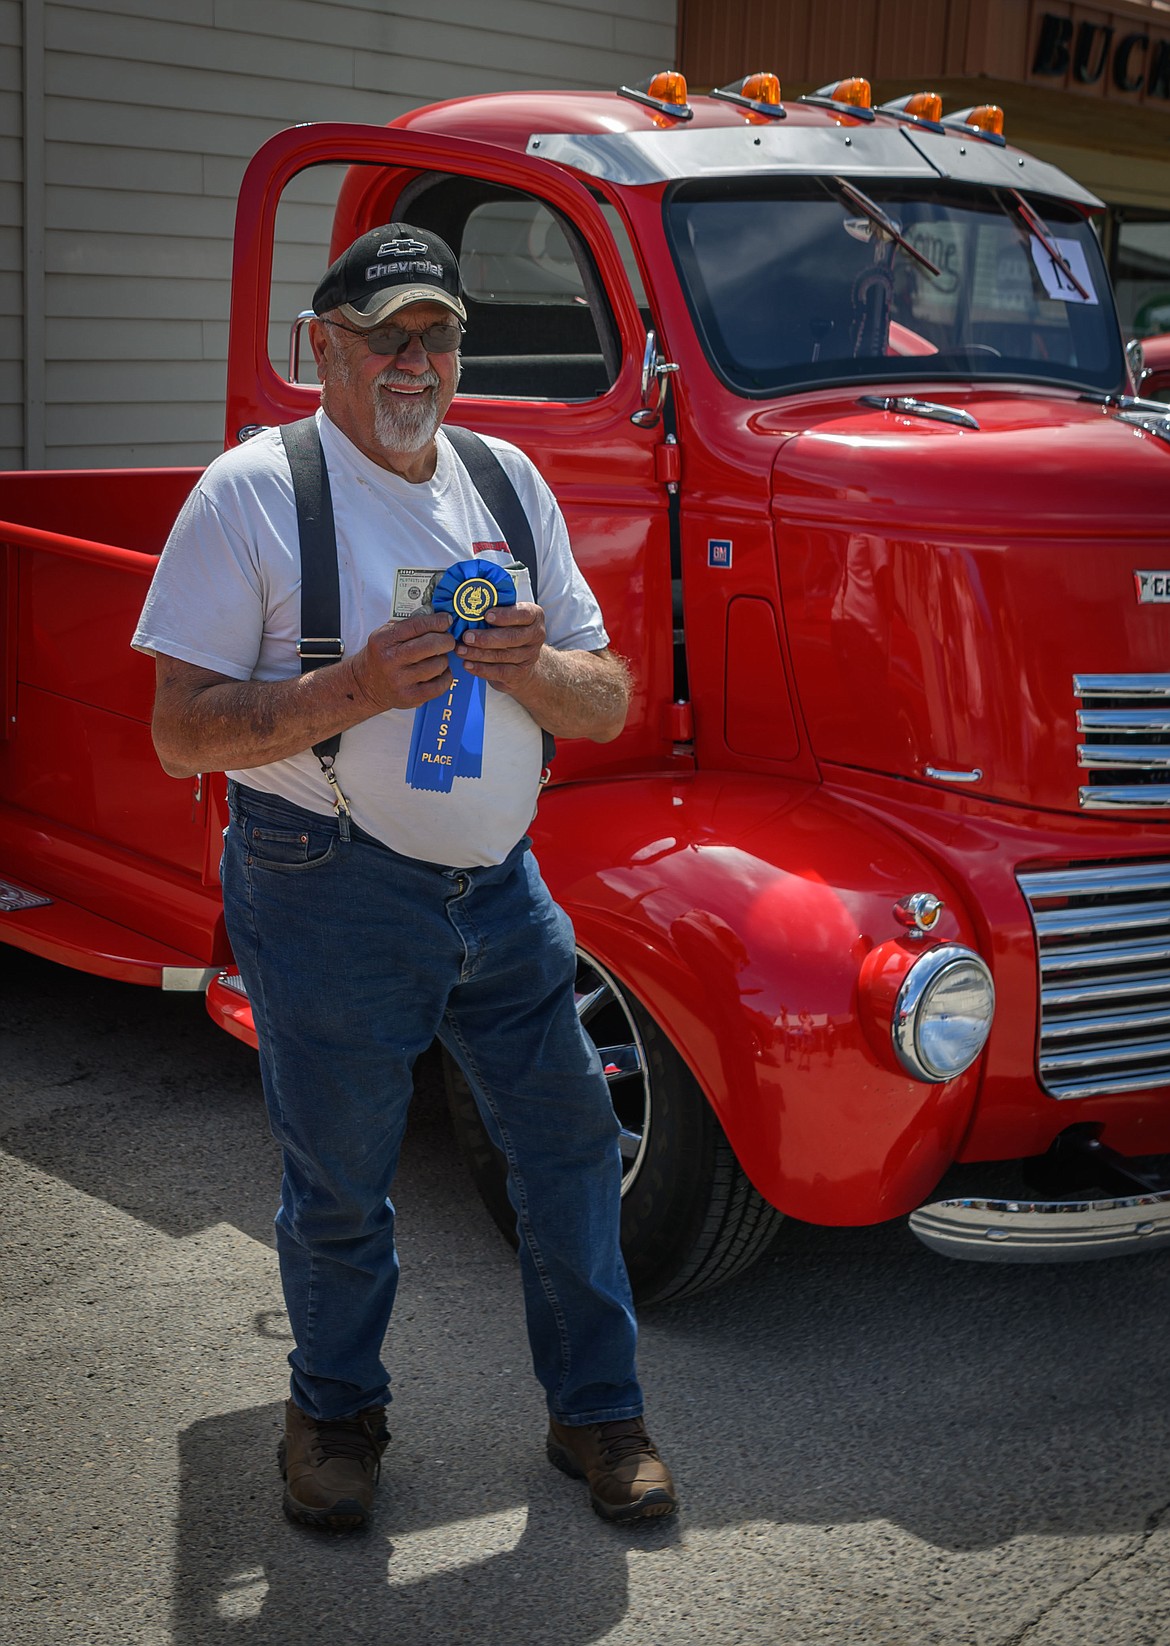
(406,424)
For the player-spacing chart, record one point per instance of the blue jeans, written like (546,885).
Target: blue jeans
(354,959)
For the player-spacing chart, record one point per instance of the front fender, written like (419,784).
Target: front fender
(739,910)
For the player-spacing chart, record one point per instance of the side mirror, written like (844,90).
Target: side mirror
(655,374)
(1135,360)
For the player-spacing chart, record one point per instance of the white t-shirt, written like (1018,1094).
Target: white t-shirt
(226,596)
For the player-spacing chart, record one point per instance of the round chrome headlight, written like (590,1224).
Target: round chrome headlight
(943,1013)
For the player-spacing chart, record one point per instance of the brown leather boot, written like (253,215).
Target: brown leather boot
(331,1469)
(627,1478)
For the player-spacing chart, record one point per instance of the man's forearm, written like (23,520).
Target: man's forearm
(578,694)
(204,722)
(220,725)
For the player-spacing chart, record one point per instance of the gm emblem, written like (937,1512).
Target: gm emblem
(473,598)
(1152,587)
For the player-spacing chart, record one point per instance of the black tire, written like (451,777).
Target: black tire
(690,1218)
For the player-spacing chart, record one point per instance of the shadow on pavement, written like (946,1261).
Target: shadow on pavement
(511,1578)
(851,1376)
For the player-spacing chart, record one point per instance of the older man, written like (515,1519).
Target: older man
(370,908)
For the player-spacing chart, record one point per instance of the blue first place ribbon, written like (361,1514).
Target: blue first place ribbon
(447,739)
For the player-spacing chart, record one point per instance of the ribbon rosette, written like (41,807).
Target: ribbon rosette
(447,739)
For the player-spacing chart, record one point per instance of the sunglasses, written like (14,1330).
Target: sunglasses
(443,338)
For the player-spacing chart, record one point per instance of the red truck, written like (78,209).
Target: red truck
(876,883)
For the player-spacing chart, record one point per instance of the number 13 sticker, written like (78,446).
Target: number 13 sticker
(1056,281)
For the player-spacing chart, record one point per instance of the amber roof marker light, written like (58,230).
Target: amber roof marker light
(758,92)
(848,96)
(921,108)
(983,120)
(665,92)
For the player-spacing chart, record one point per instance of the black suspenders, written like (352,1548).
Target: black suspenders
(492,483)
(320,641)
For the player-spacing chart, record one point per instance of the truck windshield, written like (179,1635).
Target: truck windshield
(798,284)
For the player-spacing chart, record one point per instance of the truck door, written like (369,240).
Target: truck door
(552,362)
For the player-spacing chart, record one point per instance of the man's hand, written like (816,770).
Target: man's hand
(404,663)
(506,650)
(569,693)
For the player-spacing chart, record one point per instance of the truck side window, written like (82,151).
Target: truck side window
(626,252)
(538,322)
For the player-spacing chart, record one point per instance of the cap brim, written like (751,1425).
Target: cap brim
(380,305)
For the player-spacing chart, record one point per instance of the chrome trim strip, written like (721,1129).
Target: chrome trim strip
(1068,1028)
(1117,1051)
(1121,685)
(1121,756)
(1059,1231)
(1109,877)
(1122,988)
(1065,1090)
(1125,917)
(1118,797)
(1123,720)
(1115,955)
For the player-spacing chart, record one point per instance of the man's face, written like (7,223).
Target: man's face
(388,405)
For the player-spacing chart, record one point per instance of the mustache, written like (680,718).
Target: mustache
(392,378)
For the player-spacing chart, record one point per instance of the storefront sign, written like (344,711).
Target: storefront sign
(1099,54)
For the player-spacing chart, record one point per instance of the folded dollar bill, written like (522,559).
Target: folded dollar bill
(414,587)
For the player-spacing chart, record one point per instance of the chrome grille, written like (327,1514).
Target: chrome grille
(1124,726)
(1103,938)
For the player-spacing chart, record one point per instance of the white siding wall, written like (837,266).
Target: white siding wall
(152,109)
(11,241)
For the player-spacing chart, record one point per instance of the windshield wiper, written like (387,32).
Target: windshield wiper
(1043,233)
(884,222)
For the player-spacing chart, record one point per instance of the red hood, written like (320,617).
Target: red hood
(953,582)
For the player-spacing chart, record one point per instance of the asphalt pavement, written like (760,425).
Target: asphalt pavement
(872,1445)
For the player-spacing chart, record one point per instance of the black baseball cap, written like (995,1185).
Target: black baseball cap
(385,270)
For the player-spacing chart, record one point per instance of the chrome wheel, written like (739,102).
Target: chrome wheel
(609,1023)
(689,1217)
